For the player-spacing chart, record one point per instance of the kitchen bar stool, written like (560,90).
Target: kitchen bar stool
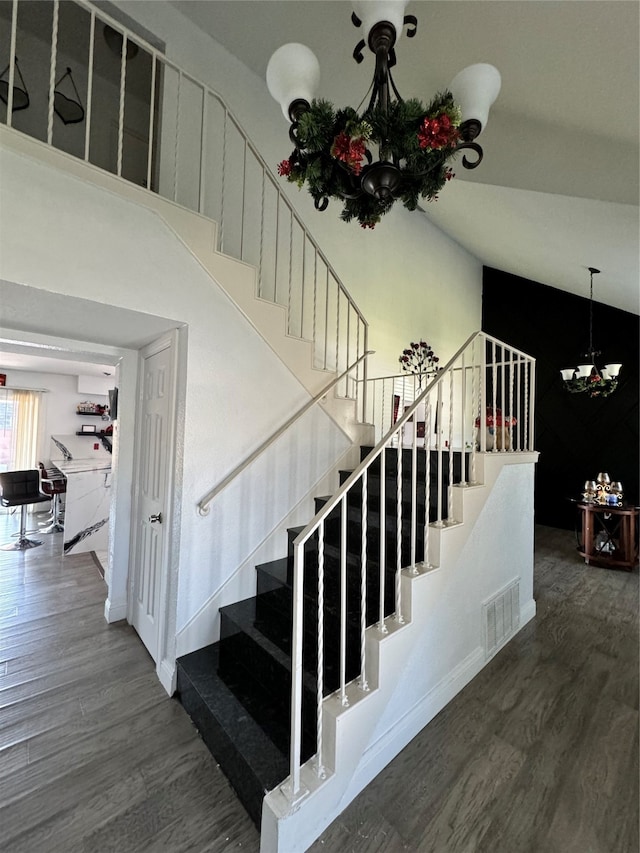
(53,484)
(21,488)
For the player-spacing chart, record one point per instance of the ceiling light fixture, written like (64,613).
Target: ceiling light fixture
(586,378)
(415,144)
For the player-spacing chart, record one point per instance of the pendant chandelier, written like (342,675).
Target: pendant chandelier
(414,143)
(586,378)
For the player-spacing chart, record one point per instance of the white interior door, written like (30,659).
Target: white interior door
(155,438)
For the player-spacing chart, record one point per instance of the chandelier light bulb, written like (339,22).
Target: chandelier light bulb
(475,89)
(372,12)
(293,74)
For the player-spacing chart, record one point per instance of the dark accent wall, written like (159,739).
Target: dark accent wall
(577,436)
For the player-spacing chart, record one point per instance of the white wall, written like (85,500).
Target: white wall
(58,414)
(408,278)
(236,391)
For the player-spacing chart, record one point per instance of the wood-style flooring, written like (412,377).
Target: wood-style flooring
(539,754)
(94,756)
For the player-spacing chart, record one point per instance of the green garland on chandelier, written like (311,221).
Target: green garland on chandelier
(333,151)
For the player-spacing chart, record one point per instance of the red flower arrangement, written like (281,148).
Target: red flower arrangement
(350,150)
(438,132)
(497,421)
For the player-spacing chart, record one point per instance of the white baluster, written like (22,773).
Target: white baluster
(450,518)
(364,686)
(343,602)
(320,670)
(290,289)
(123,81)
(511,410)
(383,536)
(12,62)
(87,124)
(463,421)
(296,671)
(439,522)
(398,572)
(427,481)
(494,376)
(414,493)
(475,405)
(52,69)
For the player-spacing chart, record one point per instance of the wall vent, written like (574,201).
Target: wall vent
(501,617)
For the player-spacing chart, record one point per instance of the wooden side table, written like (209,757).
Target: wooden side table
(609,535)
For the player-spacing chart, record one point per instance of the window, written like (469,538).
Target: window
(19,428)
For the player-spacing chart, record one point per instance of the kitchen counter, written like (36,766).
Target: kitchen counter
(87,470)
(79,466)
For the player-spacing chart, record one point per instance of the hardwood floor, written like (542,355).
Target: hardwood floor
(539,754)
(94,756)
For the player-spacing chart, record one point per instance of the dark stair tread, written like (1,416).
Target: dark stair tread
(247,756)
(243,616)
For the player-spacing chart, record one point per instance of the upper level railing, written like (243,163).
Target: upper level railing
(379,534)
(81,82)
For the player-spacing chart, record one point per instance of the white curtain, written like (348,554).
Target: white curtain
(20,415)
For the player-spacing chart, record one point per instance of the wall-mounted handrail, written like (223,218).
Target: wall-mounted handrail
(204,503)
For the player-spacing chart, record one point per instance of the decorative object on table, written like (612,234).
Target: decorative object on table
(70,111)
(20,96)
(603,491)
(419,358)
(415,143)
(497,429)
(586,378)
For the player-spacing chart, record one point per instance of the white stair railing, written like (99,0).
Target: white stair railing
(148,121)
(437,428)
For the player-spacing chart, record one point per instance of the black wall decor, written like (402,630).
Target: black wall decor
(577,436)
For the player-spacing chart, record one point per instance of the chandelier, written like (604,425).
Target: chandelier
(586,378)
(414,143)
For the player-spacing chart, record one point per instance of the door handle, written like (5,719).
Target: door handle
(156,518)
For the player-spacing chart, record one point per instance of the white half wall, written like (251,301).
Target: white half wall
(418,667)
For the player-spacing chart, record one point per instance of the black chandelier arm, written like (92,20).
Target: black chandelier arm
(391,80)
(357,51)
(293,134)
(473,146)
(411,22)
(321,202)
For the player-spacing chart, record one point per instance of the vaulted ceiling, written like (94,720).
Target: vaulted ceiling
(557,191)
